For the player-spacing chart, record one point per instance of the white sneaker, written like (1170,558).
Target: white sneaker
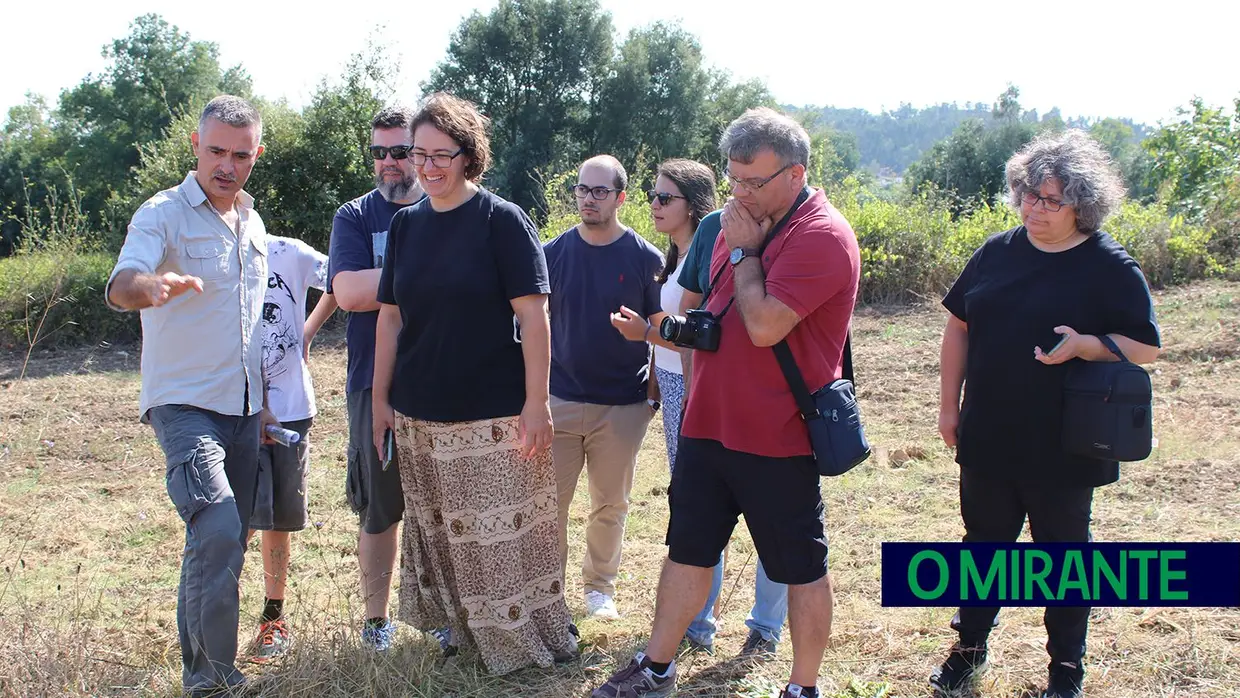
(600,605)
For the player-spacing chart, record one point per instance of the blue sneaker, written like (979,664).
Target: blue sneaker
(378,637)
(444,635)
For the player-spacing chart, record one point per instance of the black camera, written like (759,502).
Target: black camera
(699,329)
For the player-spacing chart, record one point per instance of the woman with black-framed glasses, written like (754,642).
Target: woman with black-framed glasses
(462,361)
(1030,302)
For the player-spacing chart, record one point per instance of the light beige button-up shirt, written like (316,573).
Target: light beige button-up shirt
(203,349)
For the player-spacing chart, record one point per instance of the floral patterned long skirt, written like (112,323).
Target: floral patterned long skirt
(480,548)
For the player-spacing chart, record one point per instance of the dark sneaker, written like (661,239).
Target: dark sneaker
(690,646)
(961,670)
(758,647)
(637,680)
(274,639)
(1065,680)
(791,691)
(444,636)
(378,637)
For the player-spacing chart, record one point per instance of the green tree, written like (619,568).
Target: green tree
(833,156)
(1196,162)
(1122,142)
(30,166)
(724,101)
(531,66)
(312,162)
(155,73)
(968,166)
(317,160)
(651,99)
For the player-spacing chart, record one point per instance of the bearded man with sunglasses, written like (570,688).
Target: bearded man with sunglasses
(355,261)
(599,380)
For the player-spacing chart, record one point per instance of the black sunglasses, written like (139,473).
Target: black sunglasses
(399,152)
(663,197)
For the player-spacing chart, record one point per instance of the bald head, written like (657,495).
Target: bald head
(620,178)
(600,191)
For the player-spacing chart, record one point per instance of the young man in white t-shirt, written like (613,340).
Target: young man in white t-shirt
(280,506)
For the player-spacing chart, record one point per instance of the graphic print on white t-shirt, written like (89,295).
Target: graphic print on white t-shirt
(293,268)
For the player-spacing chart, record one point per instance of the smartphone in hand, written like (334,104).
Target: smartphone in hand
(389,449)
(1062,341)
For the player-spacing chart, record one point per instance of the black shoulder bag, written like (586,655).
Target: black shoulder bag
(831,414)
(1107,408)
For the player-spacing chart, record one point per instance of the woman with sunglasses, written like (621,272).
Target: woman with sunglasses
(462,359)
(683,194)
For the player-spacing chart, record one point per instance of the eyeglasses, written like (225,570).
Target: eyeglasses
(663,197)
(1031,200)
(440,160)
(599,193)
(399,152)
(754,184)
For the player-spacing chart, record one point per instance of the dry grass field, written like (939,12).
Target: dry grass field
(90,546)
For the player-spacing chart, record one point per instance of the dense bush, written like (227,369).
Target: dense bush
(55,297)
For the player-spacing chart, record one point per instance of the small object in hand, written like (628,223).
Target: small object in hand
(282,436)
(389,448)
(1060,344)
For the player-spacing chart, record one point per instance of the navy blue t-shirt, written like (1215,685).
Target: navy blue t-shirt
(359,236)
(1012,296)
(590,360)
(453,275)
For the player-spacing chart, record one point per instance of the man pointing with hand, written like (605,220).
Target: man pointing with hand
(194,263)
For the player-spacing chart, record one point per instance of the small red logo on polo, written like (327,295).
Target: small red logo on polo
(622,278)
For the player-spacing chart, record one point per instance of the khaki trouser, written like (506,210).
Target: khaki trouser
(605,440)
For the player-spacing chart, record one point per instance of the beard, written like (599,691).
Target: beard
(398,190)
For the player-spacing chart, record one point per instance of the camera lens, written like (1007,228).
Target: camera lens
(669,329)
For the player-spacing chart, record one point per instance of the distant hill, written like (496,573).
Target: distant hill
(893,140)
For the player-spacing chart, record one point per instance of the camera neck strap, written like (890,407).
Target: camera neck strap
(770,235)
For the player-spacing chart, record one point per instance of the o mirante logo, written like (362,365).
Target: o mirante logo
(1061,574)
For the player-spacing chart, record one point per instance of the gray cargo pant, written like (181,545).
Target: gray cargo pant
(212,475)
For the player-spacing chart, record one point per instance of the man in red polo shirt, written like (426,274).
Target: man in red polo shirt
(744,448)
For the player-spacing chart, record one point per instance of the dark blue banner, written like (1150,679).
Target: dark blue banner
(1061,574)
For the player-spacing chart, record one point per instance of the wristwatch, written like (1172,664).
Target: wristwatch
(739,253)
(653,403)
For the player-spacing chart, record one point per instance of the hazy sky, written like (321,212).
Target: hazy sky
(1091,58)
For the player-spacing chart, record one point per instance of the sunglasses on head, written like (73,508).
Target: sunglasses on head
(399,152)
(663,197)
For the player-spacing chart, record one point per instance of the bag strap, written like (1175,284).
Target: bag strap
(1112,346)
(792,374)
(796,381)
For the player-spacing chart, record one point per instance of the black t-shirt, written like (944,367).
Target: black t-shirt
(458,355)
(1012,296)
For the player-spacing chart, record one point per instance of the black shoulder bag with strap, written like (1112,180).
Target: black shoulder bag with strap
(1107,408)
(831,414)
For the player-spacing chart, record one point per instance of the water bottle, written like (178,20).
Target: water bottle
(282,436)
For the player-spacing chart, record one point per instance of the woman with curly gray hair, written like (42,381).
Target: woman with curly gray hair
(1030,301)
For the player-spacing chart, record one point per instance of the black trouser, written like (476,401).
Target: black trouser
(994,508)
